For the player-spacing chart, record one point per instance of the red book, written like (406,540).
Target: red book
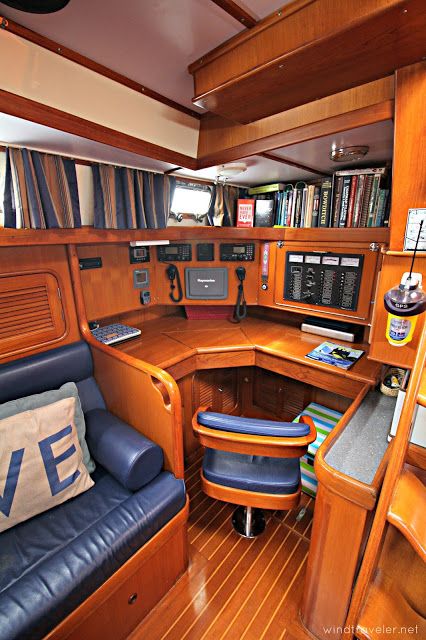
(351,201)
(245,213)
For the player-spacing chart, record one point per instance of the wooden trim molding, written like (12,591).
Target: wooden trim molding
(237,12)
(70,54)
(342,122)
(21,107)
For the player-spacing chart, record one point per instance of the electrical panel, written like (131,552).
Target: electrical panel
(323,279)
(174,253)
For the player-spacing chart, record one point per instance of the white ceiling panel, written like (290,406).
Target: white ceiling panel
(259,171)
(19,132)
(315,153)
(262,8)
(149,41)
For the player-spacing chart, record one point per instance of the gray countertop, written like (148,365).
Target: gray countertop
(360,448)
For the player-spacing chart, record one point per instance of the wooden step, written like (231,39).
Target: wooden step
(407,511)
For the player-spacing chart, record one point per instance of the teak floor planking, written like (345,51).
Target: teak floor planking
(234,589)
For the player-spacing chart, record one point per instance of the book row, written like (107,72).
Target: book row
(351,198)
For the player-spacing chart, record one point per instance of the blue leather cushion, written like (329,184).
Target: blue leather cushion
(51,563)
(252,473)
(252,426)
(50,370)
(131,458)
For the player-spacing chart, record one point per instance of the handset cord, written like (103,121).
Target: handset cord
(173,273)
(240,310)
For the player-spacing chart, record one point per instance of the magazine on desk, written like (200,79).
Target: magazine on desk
(335,354)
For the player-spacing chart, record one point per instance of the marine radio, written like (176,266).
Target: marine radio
(174,253)
(237,252)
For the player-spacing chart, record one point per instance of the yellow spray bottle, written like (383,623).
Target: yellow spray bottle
(404,303)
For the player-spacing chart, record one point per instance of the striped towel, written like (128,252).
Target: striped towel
(324,419)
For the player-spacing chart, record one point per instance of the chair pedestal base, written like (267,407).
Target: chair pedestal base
(248,522)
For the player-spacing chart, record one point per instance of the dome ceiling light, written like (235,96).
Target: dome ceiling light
(37,6)
(348,154)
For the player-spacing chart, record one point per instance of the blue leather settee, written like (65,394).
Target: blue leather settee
(53,562)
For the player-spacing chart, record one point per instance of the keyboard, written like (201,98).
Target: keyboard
(113,333)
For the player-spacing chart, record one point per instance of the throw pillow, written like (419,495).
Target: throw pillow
(41,462)
(68,390)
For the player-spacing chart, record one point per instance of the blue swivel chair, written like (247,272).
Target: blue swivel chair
(252,463)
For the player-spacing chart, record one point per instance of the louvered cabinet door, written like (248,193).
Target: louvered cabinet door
(216,388)
(31,312)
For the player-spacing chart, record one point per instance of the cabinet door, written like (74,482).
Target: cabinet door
(280,396)
(217,389)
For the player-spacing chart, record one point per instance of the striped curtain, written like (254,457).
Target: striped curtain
(223,205)
(40,191)
(131,199)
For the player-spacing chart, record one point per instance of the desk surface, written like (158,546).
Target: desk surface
(170,340)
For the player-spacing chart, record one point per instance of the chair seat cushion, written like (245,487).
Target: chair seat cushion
(260,474)
(53,562)
(252,426)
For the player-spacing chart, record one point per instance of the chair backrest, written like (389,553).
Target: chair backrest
(50,370)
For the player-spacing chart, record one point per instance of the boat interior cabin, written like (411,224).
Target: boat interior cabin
(212,320)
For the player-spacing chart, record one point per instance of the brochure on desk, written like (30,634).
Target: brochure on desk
(335,354)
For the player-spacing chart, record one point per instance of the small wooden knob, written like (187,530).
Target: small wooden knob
(132,599)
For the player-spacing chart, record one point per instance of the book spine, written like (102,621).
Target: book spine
(309,206)
(315,207)
(351,205)
(358,200)
(373,201)
(298,208)
(345,200)
(337,196)
(325,198)
(292,201)
(366,200)
(304,206)
(381,206)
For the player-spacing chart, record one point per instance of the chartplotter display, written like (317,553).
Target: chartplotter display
(324,279)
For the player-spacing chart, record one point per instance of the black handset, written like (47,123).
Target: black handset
(240,310)
(173,274)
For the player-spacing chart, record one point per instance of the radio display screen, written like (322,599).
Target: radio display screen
(173,251)
(238,249)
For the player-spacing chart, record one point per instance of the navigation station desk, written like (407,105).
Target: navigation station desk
(273,377)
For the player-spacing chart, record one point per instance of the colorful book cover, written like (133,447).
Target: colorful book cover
(315,210)
(245,213)
(337,355)
(351,206)
(346,187)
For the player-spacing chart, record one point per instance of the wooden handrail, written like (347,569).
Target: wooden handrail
(392,475)
(407,511)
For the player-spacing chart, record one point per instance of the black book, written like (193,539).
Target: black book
(325,203)
(337,195)
(344,205)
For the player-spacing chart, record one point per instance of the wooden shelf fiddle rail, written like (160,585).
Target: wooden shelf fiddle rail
(89,235)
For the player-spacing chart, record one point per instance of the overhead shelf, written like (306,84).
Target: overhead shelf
(306,51)
(89,235)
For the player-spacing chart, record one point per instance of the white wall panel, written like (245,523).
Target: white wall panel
(38,74)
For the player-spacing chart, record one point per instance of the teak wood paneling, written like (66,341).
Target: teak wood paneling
(89,235)
(364,307)
(408,175)
(48,266)
(149,574)
(392,269)
(162,282)
(396,598)
(292,56)
(109,290)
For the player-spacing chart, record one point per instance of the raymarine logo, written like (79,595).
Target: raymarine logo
(208,280)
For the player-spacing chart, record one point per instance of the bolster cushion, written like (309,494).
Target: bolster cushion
(252,426)
(129,457)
